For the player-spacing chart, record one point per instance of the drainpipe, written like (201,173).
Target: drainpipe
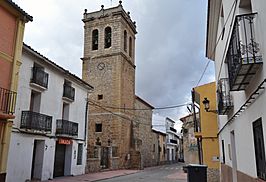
(86,120)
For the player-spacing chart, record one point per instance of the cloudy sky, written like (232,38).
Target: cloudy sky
(170,44)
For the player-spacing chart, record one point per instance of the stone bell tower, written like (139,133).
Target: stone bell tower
(109,65)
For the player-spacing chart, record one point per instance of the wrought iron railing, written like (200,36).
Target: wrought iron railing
(173,141)
(225,102)
(172,129)
(39,77)
(69,92)
(36,121)
(243,55)
(68,128)
(7,101)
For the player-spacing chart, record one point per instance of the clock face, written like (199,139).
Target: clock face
(101,66)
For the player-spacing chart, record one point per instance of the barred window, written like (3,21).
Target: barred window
(80,151)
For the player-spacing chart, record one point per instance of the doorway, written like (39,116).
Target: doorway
(104,157)
(37,159)
(259,149)
(59,162)
(234,161)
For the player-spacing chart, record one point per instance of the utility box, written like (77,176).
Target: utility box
(196,173)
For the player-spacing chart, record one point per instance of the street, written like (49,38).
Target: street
(165,173)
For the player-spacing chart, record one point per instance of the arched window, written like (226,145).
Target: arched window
(125,41)
(95,41)
(130,46)
(107,37)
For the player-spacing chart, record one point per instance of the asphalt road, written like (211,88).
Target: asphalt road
(165,173)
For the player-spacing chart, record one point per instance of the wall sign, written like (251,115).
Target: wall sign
(64,141)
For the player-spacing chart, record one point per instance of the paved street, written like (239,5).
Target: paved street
(166,173)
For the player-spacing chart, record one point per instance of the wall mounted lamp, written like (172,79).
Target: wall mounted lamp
(206,104)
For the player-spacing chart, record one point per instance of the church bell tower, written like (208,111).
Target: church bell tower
(109,66)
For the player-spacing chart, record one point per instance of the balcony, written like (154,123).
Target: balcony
(69,93)
(172,129)
(243,55)
(7,101)
(36,121)
(223,95)
(173,141)
(66,128)
(39,77)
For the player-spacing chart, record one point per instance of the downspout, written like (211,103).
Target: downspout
(196,127)
(86,120)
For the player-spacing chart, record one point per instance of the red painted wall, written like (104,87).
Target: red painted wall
(7,32)
(7,46)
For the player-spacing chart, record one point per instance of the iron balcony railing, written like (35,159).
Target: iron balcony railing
(224,98)
(39,77)
(7,101)
(36,121)
(243,55)
(69,92)
(173,141)
(66,128)
(172,129)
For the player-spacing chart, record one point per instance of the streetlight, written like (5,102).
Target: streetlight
(206,104)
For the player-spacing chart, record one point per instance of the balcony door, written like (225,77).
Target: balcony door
(35,101)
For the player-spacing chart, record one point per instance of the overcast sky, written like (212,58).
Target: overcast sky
(170,44)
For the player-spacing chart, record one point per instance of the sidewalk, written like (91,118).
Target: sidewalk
(94,176)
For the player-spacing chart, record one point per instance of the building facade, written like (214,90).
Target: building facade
(50,127)
(144,139)
(208,129)
(109,65)
(171,140)
(190,145)
(161,137)
(236,44)
(12,24)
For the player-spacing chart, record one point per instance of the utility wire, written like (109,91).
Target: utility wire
(214,49)
(156,108)
(118,115)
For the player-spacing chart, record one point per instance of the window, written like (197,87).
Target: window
(222,22)
(80,151)
(130,46)
(223,152)
(100,96)
(259,149)
(125,41)
(95,36)
(107,37)
(245,6)
(98,127)
(114,151)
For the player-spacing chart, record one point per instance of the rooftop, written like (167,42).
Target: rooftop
(59,68)
(21,11)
